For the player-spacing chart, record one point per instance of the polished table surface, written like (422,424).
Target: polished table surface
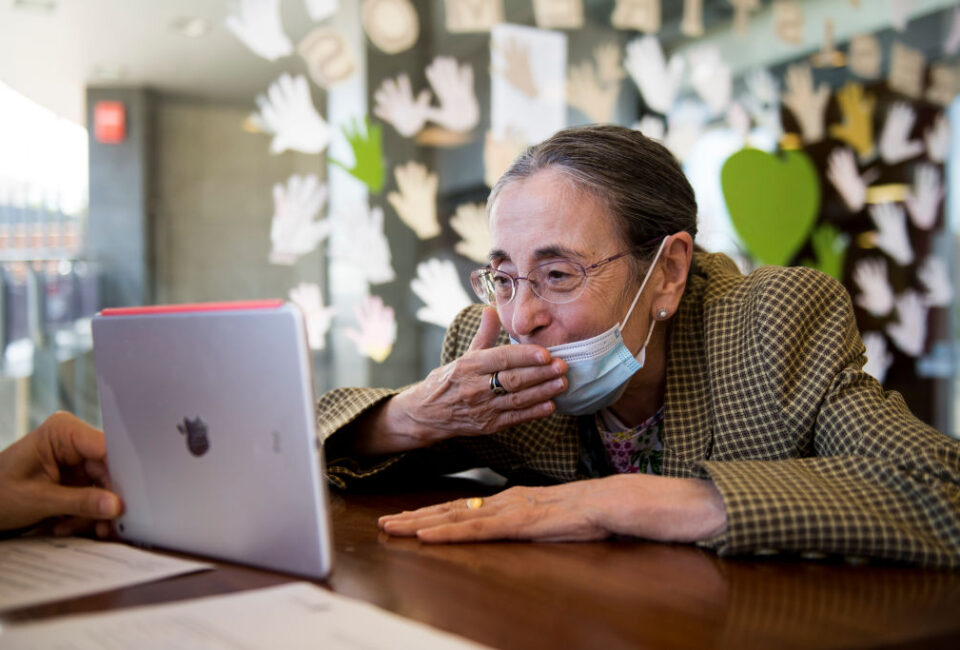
(614,594)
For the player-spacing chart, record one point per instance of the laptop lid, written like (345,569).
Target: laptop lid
(208,413)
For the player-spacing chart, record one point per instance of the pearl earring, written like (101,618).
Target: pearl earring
(662,314)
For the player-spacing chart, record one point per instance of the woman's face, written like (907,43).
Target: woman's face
(544,218)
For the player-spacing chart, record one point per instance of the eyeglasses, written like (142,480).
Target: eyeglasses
(559,281)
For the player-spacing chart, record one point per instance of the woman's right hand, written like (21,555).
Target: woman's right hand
(456,399)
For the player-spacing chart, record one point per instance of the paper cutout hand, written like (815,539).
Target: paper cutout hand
(322,9)
(395,104)
(892,237)
(360,241)
(453,86)
(293,231)
(935,276)
(843,174)
(937,138)
(257,24)
(416,202)
(438,285)
(923,203)
(830,247)
(910,332)
(288,113)
(763,101)
(316,316)
(609,67)
(878,357)
(876,295)
(712,78)
(895,143)
(365,142)
(806,104)
(498,154)
(589,95)
(516,70)
(378,329)
(470,222)
(857,128)
(658,81)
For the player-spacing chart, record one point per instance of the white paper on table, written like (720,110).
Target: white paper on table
(37,570)
(295,615)
(531,118)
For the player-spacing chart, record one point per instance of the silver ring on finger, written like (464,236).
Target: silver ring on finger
(495,386)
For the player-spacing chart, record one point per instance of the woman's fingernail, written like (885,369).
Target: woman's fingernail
(557,383)
(108,506)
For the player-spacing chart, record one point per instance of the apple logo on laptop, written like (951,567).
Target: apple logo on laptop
(196,432)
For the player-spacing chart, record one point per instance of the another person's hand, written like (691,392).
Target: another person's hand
(456,399)
(650,507)
(56,470)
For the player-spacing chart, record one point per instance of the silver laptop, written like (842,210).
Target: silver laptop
(209,419)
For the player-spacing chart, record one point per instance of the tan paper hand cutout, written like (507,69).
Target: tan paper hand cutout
(416,202)
(470,222)
(806,103)
(857,127)
(594,90)
(498,155)
(516,68)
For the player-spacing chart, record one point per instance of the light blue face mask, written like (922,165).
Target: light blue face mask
(599,368)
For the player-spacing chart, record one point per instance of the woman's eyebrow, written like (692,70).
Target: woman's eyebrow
(551,252)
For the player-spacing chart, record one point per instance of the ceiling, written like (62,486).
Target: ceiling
(51,56)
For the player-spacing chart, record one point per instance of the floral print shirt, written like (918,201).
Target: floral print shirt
(632,450)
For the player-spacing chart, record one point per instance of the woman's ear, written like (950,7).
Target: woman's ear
(674,266)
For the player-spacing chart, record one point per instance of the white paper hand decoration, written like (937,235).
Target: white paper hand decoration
(438,285)
(923,203)
(711,78)
(895,143)
(937,138)
(257,24)
(763,101)
(293,231)
(910,332)
(416,202)
(878,357)
(952,45)
(892,237)
(806,103)
(378,329)
(876,295)
(658,81)
(359,240)
(453,86)
(316,316)
(652,127)
(843,174)
(935,276)
(470,222)
(395,104)
(287,112)
(498,154)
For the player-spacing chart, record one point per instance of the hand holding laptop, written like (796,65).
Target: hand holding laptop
(58,469)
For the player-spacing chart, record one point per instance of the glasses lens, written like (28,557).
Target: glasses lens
(492,287)
(558,282)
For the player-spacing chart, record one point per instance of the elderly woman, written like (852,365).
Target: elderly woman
(665,395)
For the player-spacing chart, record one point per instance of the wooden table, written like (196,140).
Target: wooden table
(615,594)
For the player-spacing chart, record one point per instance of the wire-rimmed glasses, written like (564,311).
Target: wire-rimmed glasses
(557,281)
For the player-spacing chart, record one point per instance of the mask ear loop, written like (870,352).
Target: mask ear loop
(642,286)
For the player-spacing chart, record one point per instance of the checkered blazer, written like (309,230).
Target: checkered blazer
(765,396)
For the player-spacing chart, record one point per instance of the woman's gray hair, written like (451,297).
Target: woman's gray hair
(637,179)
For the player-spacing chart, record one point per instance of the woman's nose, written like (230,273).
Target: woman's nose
(530,311)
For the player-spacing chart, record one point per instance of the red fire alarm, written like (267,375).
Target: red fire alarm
(110,122)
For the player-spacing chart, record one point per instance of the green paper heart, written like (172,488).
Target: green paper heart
(773,201)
